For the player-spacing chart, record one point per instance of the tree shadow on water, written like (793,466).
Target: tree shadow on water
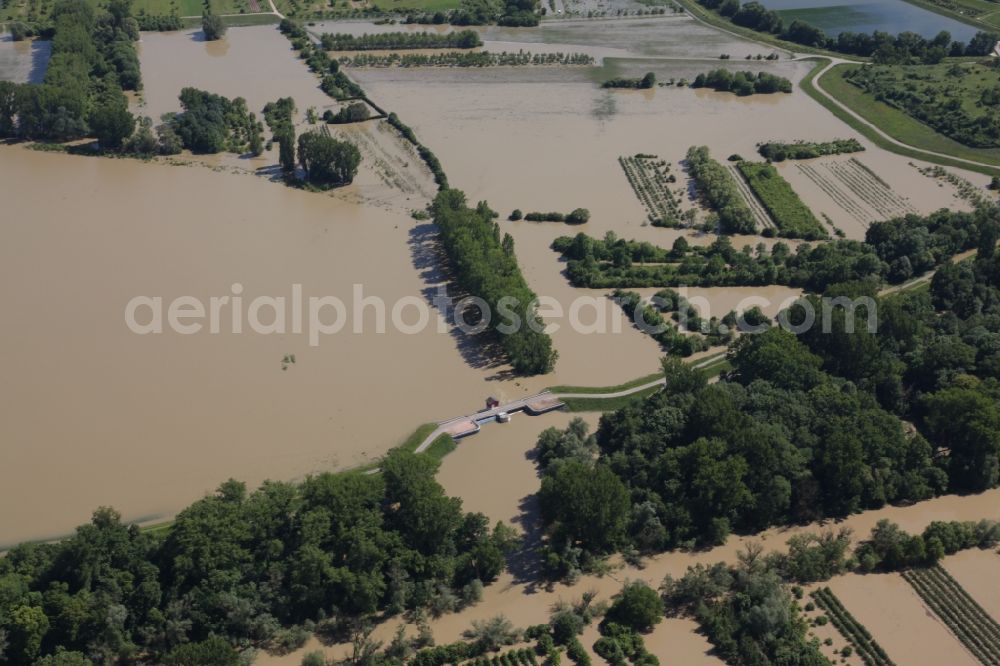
(526,564)
(479,350)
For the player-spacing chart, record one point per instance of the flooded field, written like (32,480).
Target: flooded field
(978,572)
(24,61)
(255,63)
(669,36)
(95,414)
(899,621)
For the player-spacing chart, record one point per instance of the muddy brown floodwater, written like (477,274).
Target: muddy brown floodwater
(95,414)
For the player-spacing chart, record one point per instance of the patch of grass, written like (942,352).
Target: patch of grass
(887,118)
(717,366)
(608,389)
(979,13)
(241,21)
(793,217)
(440,447)
(419,435)
(606,404)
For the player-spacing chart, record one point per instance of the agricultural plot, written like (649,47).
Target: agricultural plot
(650,179)
(763,219)
(861,640)
(792,217)
(856,189)
(965,618)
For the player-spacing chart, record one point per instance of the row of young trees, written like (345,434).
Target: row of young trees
(903,48)
(460,39)
(237,569)
(93,61)
(485,266)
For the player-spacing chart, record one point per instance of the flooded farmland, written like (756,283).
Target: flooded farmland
(199,409)
(24,61)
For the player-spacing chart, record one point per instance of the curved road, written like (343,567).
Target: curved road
(839,61)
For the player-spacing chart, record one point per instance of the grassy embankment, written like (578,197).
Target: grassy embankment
(893,122)
(712,367)
(981,14)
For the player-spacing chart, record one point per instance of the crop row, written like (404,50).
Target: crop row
(839,197)
(755,205)
(871,653)
(963,616)
(651,185)
(870,188)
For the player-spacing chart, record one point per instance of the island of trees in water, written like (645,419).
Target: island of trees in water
(484,265)
(779,151)
(742,83)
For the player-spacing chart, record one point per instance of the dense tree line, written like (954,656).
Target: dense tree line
(515,13)
(237,569)
(778,151)
(645,82)
(936,99)
(717,188)
(93,61)
(485,266)
(894,251)
(742,83)
(460,39)
(804,426)
(904,48)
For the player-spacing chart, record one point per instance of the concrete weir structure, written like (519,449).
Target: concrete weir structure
(463,426)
